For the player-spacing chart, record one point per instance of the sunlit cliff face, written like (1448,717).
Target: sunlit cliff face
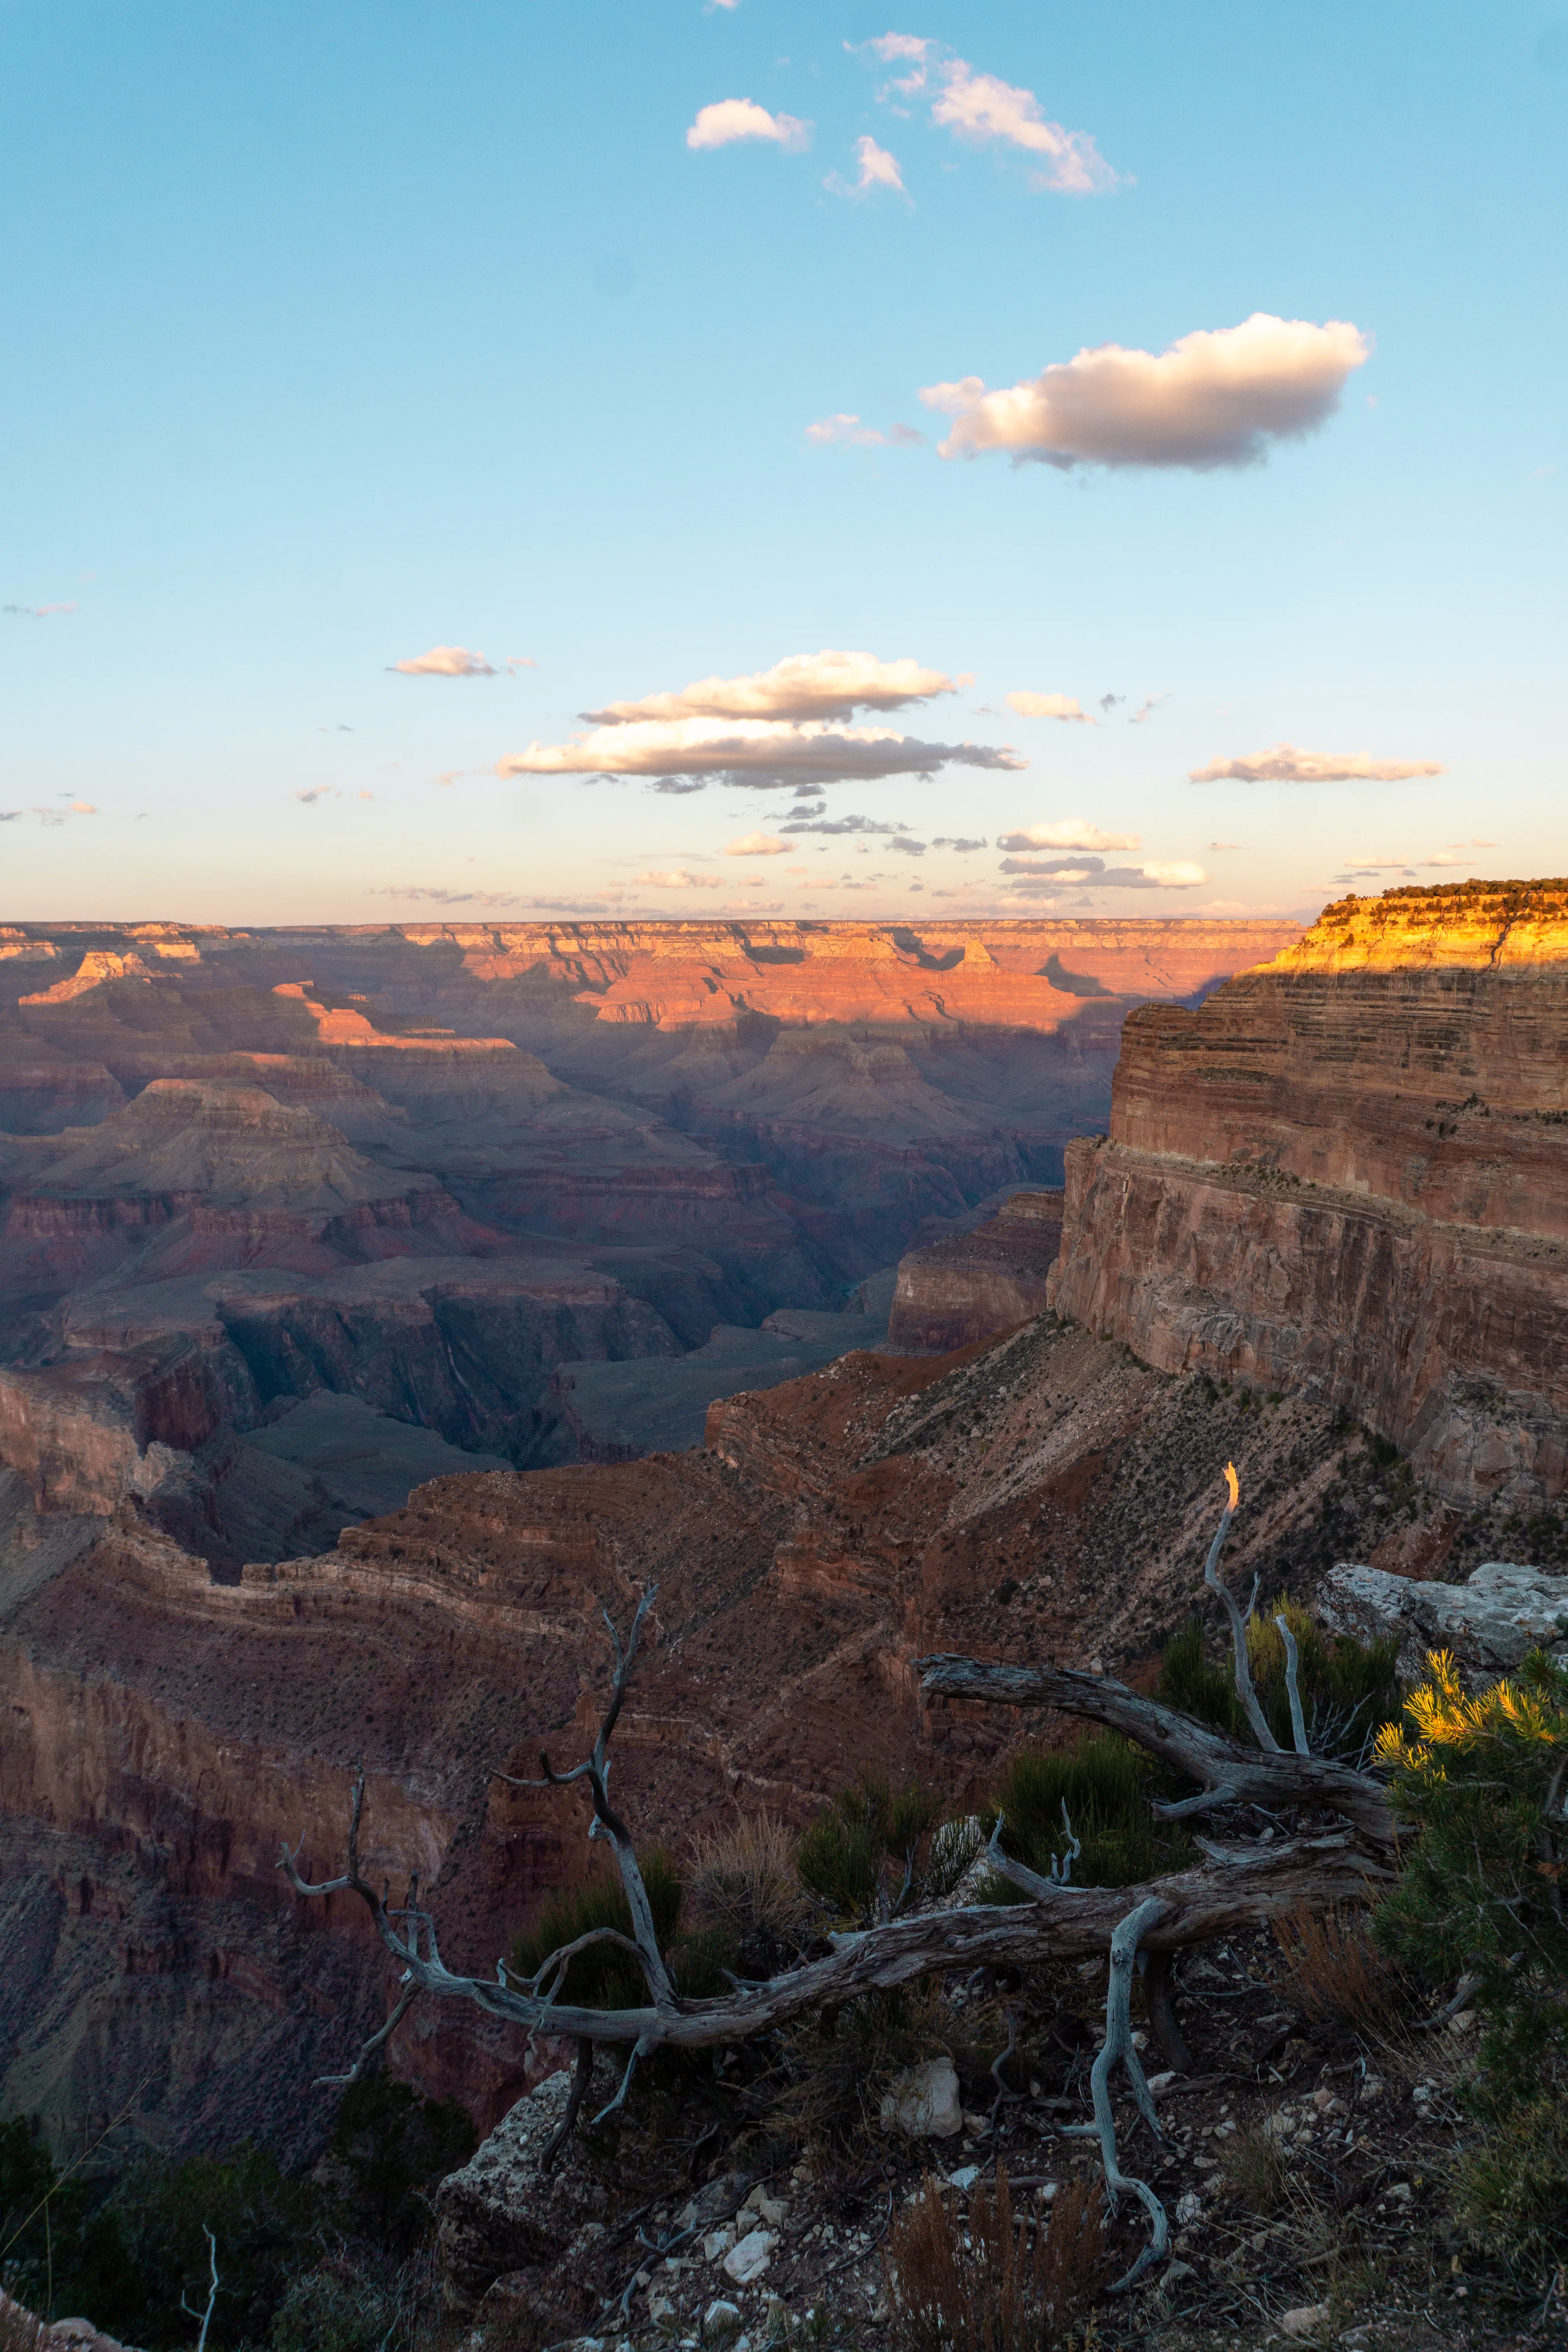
(1479,926)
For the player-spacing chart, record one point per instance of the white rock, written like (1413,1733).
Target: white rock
(1307,2319)
(749,2256)
(721,2320)
(717,2243)
(964,2178)
(923,2101)
(1158,2082)
(1501,1611)
(1189,2209)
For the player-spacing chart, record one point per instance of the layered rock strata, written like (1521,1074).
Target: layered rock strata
(1348,1171)
(970,1285)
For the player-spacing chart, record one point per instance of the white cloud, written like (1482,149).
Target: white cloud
(876,168)
(1072,832)
(1049,706)
(980,105)
(1213,398)
(1054,873)
(446,661)
(828,685)
(756,844)
(845,431)
(740,118)
(1287,763)
(679,879)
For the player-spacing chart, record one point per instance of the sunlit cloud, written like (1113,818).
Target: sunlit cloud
(732,118)
(446,661)
(1287,763)
(445,898)
(40,612)
(756,752)
(979,108)
(828,685)
(1053,873)
(1069,833)
(1049,706)
(679,879)
(875,168)
(1213,398)
(756,844)
(845,431)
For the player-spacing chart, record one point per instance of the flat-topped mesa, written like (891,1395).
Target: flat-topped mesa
(1349,1169)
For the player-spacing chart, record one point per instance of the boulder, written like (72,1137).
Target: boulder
(923,2101)
(1490,1622)
(749,2257)
(503,2225)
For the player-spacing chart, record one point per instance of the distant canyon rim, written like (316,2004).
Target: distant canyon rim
(381,1303)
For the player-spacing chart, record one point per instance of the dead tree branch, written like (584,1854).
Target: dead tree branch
(1117,2049)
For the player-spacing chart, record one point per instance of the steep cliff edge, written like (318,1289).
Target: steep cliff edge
(970,1285)
(1348,1170)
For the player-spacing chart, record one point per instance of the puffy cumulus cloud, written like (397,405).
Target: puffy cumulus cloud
(875,168)
(1287,763)
(732,119)
(828,685)
(758,752)
(845,431)
(1053,873)
(446,661)
(1049,706)
(756,844)
(1214,398)
(981,107)
(1069,833)
(679,879)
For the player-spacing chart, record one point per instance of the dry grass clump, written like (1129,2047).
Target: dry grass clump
(744,1876)
(1000,2281)
(19,2331)
(1255,2171)
(1335,1971)
(840,2064)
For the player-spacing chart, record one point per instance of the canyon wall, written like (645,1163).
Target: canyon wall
(1347,1172)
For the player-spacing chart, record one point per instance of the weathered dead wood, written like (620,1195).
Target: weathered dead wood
(1230,1773)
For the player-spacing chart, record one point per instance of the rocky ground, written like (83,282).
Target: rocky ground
(1305,2163)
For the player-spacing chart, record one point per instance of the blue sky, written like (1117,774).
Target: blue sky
(335,336)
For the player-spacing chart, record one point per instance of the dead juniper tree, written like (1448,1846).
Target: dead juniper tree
(1340,1858)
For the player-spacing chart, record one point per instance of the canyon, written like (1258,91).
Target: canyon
(1024,1457)
(530,1194)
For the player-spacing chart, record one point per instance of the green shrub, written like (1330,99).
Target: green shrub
(859,1852)
(1350,1690)
(605,1976)
(322,2312)
(57,2255)
(266,2228)
(1512,2190)
(1105,1784)
(389,2144)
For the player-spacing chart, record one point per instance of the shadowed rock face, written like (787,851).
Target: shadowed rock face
(972,1285)
(1348,1170)
(429,1168)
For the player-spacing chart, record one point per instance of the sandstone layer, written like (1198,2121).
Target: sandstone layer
(1347,1172)
(968,1286)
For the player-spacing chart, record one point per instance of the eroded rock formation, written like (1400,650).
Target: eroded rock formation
(1348,1171)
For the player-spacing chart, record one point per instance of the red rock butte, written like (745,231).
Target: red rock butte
(1347,1170)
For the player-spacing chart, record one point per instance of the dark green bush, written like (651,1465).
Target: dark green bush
(1106,1785)
(856,1854)
(324,2313)
(1349,1689)
(605,1976)
(389,2144)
